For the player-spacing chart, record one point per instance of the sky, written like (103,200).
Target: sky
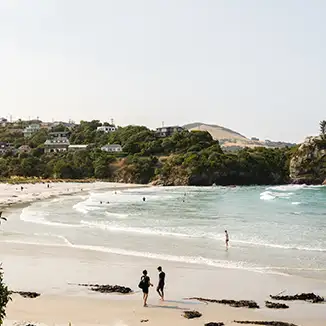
(255,66)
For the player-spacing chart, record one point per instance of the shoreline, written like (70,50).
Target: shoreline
(11,196)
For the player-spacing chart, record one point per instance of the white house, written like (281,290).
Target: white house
(77,147)
(106,129)
(3,122)
(56,145)
(112,148)
(31,129)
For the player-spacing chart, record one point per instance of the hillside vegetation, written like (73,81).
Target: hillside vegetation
(187,158)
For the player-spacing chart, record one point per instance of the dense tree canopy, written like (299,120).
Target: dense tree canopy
(184,158)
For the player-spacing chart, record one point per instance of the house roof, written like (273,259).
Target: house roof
(57,141)
(78,146)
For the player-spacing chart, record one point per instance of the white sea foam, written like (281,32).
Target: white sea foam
(270,195)
(117,215)
(148,231)
(267,195)
(296,203)
(37,217)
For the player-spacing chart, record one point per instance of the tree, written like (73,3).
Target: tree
(323,128)
(4,297)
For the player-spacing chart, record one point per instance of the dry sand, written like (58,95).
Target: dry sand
(54,310)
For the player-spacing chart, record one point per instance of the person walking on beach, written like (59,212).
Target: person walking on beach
(161,283)
(226,239)
(144,284)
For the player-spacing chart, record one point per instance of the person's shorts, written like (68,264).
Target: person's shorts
(145,290)
(160,287)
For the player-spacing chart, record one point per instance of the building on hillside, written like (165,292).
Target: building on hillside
(168,131)
(59,134)
(76,147)
(5,147)
(111,148)
(24,149)
(3,122)
(68,125)
(56,145)
(31,130)
(106,129)
(46,125)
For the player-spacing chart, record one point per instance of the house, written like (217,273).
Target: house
(3,122)
(31,130)
(112,148)
(24,149)
(56,145)
(59,134)
(168,131)
(68,125)
(106,129)
(77,147)
(5,147)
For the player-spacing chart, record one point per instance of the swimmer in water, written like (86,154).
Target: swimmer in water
(144,198)
(226,239)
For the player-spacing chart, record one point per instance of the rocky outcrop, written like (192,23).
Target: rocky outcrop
(192,314)
(308,164)
(29,295)
(276,305)
(108,288)
(233,303)
(310,297)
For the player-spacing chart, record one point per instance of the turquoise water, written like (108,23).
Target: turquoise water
(275,230)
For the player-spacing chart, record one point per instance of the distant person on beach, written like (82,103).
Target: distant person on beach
(161,283)
(226,239)
(144,284)
(21,188)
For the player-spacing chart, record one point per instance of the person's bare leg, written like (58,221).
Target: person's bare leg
(162,294)
(145,299)
(159,293)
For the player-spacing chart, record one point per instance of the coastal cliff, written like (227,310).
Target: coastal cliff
(308,164)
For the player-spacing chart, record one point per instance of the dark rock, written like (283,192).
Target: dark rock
(276,305)
(233,303)
(144,320)
(214,324)
(30,295)
(192,314)
(311,297)
(108,288)
(268,323)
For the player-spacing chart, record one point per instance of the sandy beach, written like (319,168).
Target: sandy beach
(54,269)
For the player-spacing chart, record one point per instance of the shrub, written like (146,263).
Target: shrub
(4,297)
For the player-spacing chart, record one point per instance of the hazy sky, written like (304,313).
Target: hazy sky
(255,66)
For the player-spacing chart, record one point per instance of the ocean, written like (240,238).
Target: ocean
(278,230)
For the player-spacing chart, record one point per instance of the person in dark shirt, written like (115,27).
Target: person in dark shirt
(161,283)
(146,283)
